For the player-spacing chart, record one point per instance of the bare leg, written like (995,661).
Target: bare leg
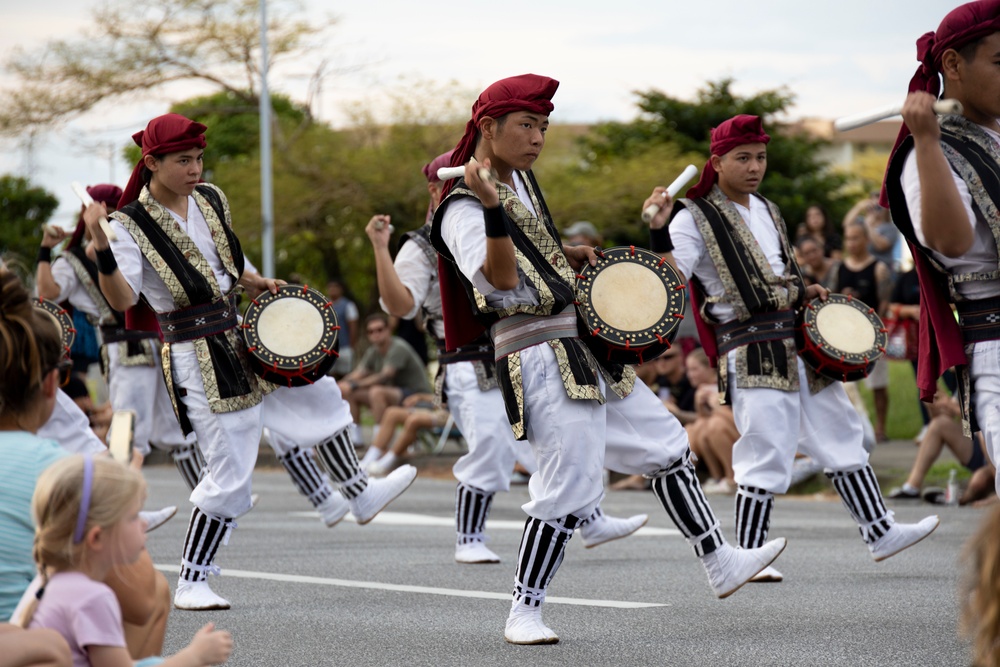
(33,648)
(941,430)
(414,422)
(881,397)
(145,641)
(381,397)
(699,445)
(720,436)
(140,594)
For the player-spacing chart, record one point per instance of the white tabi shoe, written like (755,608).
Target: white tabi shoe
(729,568)
(155,519)
(197,596)
(901,536)
(525,626)
(767,576)
(333,509)
(381,492)
(606,528)
(474,553)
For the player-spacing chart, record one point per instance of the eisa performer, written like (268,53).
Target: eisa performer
(579,415)
(732,245)
(943,189)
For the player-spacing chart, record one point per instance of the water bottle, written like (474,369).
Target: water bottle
(951,492)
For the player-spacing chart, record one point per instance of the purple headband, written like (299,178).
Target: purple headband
(88,483)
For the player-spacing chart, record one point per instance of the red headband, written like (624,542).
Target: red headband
(737,131)
(164,134)
(106,193)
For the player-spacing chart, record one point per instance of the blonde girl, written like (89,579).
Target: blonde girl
(87,520)
(980,592)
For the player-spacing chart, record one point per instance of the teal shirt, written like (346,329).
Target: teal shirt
(23,457)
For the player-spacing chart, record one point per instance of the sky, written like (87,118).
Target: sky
(837,58)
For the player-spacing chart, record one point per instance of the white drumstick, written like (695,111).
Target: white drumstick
(868,117)
(689,172)
(87,200)
(448,173)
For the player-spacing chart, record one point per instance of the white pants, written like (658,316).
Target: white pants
(69,427)
(984,367)
(305,416)
(574,440)
(142,390)
(229,441)
(482,419)
(774,423)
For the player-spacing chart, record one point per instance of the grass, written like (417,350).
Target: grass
(903,421)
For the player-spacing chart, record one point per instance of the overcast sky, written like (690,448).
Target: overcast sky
(838,58)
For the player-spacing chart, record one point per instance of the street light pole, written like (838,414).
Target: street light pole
(266,185)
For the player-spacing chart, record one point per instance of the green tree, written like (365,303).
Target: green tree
(23,210)
(795,178)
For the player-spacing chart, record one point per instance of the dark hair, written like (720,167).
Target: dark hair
(30,346)
(379,316)
(968,51)
(827,225)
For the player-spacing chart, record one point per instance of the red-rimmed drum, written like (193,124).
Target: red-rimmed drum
(291,336)
(631,304)
(61,317)
(841,337)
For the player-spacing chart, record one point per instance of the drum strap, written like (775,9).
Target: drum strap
(979,319)
(199,321)
(518,332)
(760,328)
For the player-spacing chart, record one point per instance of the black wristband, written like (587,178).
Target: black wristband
(659,240)
(44,254)
(106,262)
(496,225)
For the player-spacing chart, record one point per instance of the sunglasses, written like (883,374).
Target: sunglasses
(65,368)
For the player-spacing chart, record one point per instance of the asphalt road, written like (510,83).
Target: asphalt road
(389,593)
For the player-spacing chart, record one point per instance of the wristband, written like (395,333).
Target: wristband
(106,262)
(44,254)
(496,225)
(659,240)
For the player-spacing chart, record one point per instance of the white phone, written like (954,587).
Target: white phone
(121,434)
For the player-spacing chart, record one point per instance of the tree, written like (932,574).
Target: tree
(23,210)
(134,47)
(795,178)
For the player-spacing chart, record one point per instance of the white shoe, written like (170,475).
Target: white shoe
(475,552)
(525,626)
(718,487)
(333,509)
(729,568)
(381,492)
(157,518)
(901,536)
(197,596)
(920,435)
(254,499)
(767,576)
(606,528)
(380,469)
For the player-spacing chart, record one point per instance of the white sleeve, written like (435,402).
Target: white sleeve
(463,231)
(910,180)
(689,244)
(68,426)
(249,266)
(416,274)
(129,258)
(65,277)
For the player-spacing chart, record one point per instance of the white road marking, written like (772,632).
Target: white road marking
(410,519)
(425,590)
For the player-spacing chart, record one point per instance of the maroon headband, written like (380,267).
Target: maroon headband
(431,169)
(737,131)
(106,193)
(527,92)
(962,26)
(164,134)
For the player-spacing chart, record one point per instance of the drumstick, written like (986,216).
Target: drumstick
(689,172)
(448,173)
(941,107)
(87,201)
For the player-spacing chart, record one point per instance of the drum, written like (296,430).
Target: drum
(62,320)
(291,336)
(840,338)
(631,304)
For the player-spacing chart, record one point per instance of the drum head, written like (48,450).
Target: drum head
(292,332)
(841,337)
(632,300)
(846,328)
(60,317)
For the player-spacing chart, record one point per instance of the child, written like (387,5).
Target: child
(980,592)
(87,521)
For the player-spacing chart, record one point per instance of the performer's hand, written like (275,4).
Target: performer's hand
(91,217)
(919,116)
(578,255)
(817,292)
(379,230)
(53,236)
(256,285)
(485,189)
(663,200)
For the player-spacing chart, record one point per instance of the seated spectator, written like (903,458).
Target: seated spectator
(979,594)
(415,414)
(713,431)
(819,228)
(944,430)
(388,372)
(347,318)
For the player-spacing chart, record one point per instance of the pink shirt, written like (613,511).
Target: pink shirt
(85,612)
